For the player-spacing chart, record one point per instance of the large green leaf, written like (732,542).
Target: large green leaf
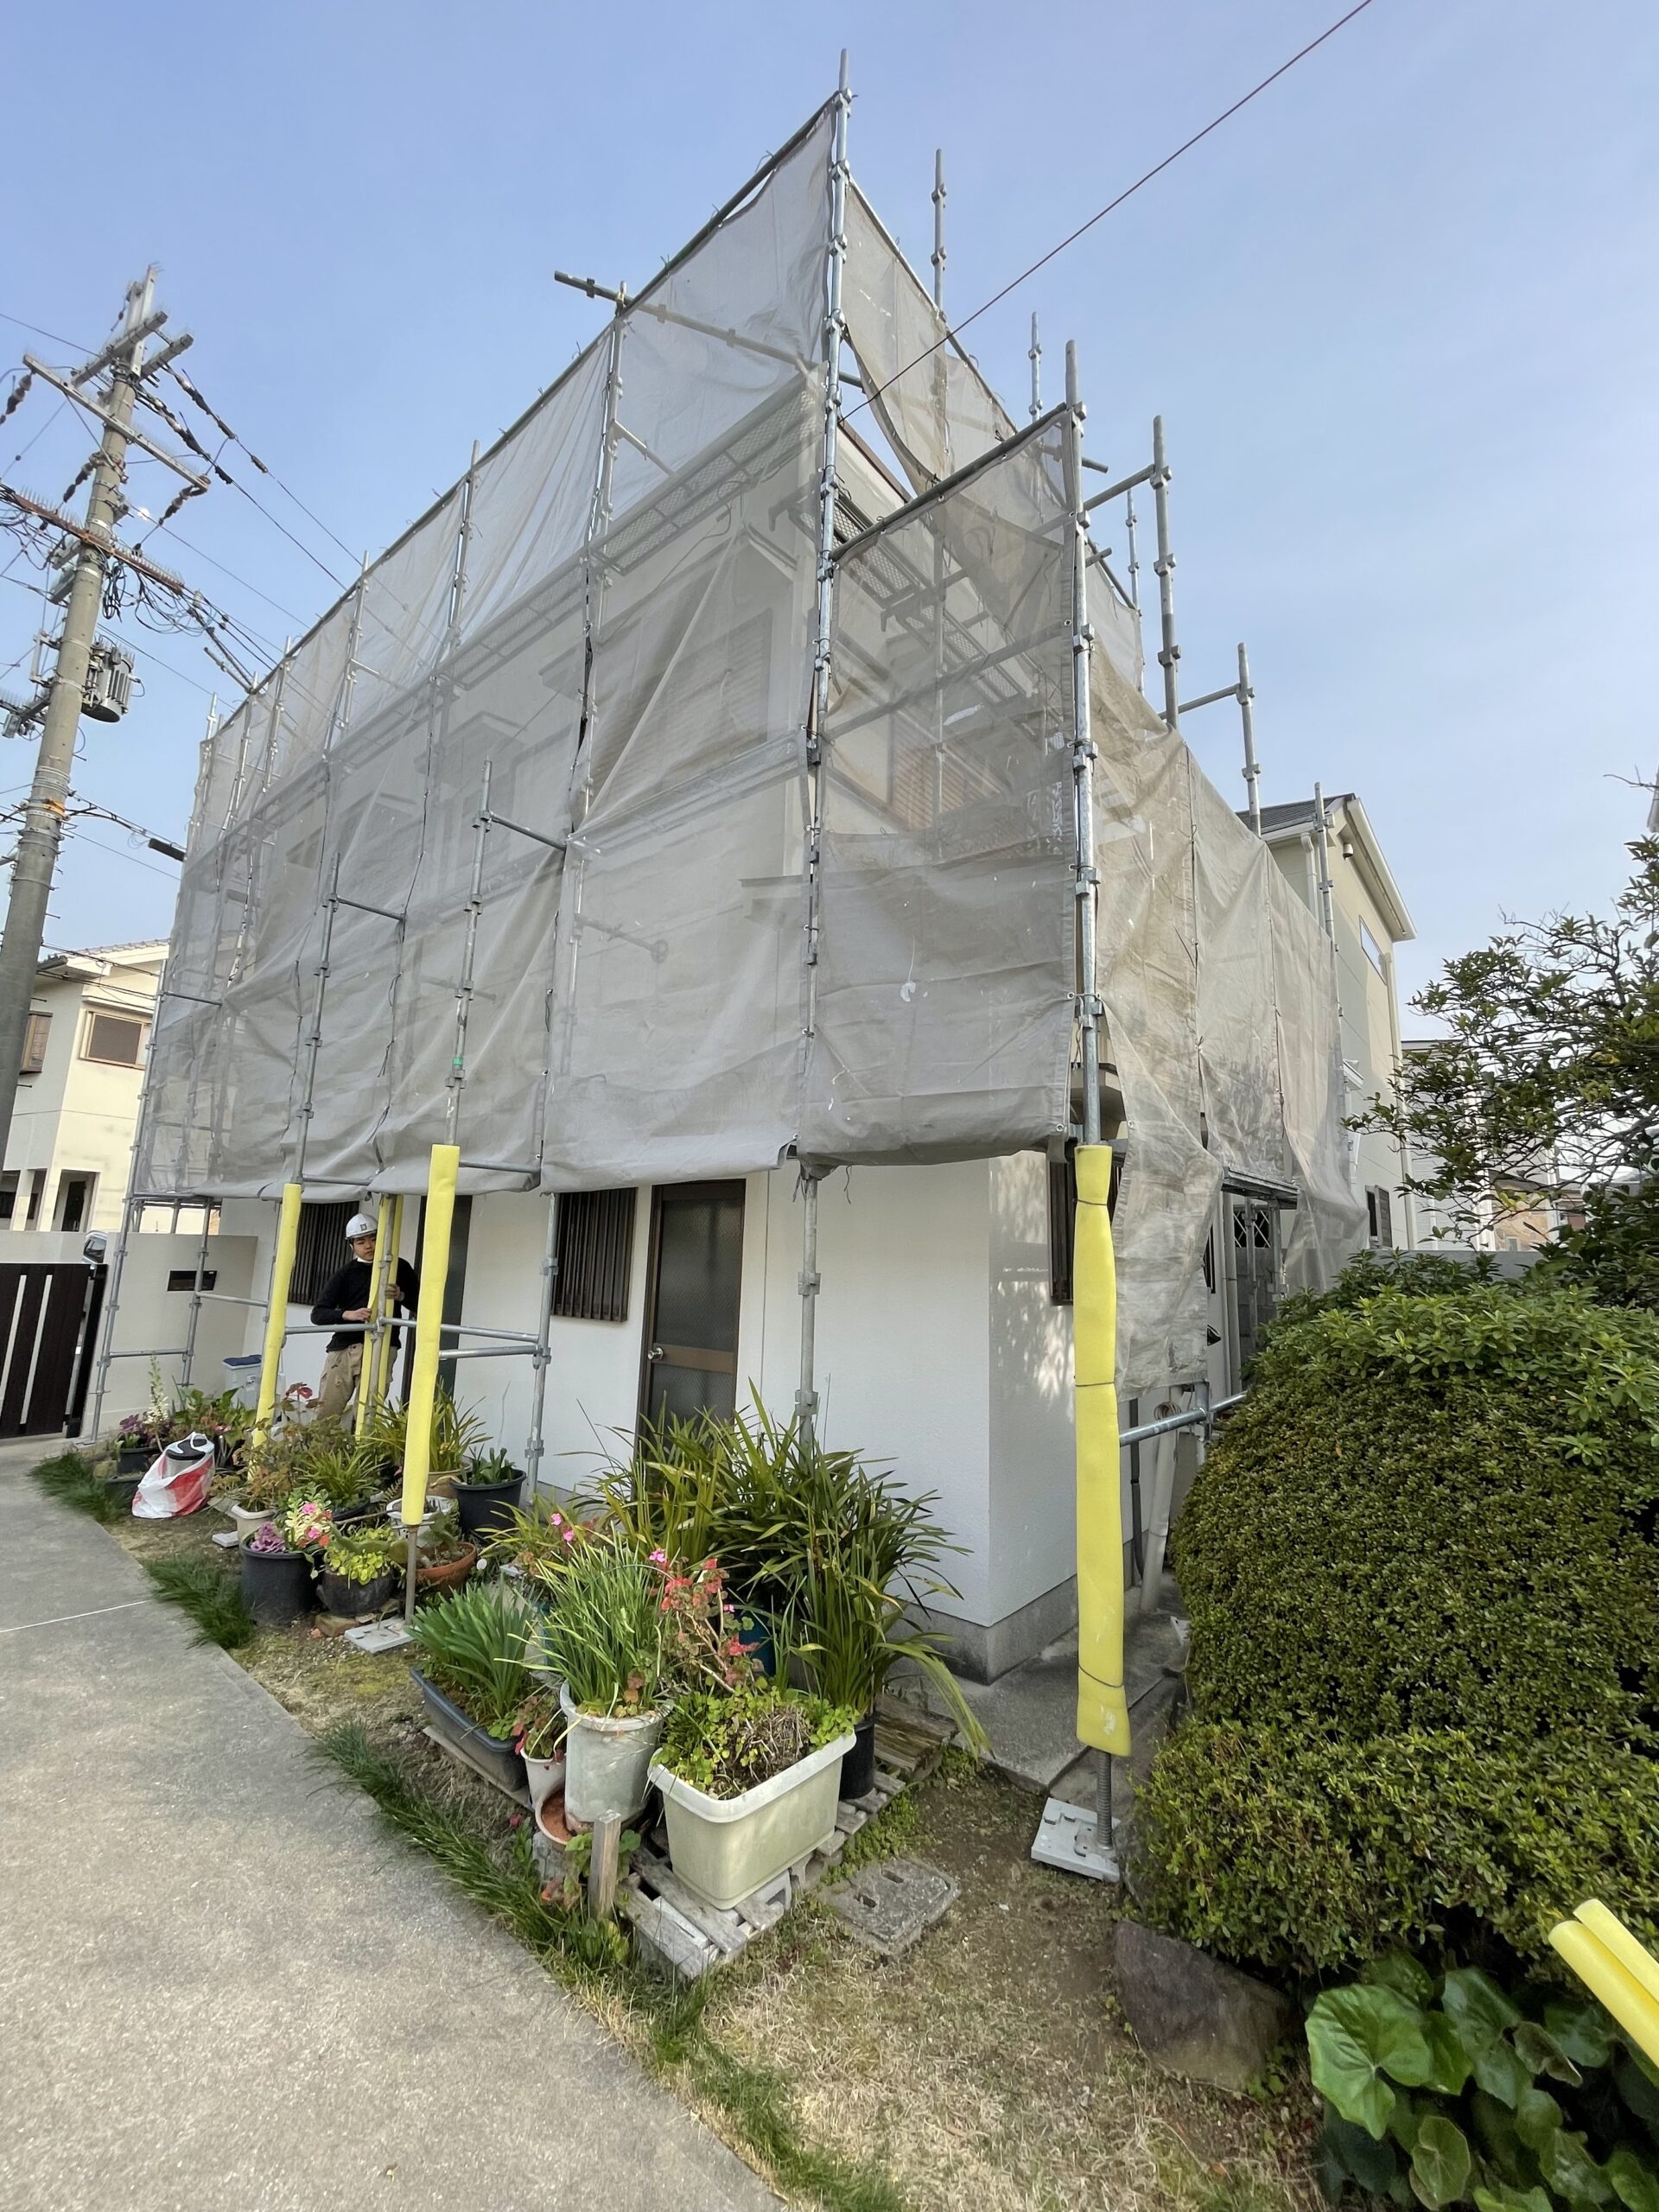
(1572,2173)
(1449,2062)
(1498,2197)
(1540,2053)
(1510,2158)
(1478,2006)
(1635,2083)
(1537,2117)
(1355,2155)
(1501,2074)
(1357,2036)
(1582,2031)
(1405,1976)
(1441,2163)
(1635,2180)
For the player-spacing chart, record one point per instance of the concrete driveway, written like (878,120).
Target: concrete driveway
(222,1986)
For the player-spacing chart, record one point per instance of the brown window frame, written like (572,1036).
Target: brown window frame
(97,1013)
(34,1042)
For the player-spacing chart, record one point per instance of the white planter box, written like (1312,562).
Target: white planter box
(725,1847)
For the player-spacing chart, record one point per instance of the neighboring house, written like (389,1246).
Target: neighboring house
(690,826)
(72,1130)
(1518,1214)
(1369,918)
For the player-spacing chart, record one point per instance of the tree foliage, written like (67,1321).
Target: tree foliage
(1548,1082)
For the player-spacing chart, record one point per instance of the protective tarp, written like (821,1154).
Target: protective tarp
(614,618)
(945,971)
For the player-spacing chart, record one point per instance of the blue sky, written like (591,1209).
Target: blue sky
(1399,316)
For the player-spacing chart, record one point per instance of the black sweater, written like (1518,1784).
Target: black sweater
(348,1289)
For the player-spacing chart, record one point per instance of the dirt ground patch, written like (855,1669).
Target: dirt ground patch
(990,2067)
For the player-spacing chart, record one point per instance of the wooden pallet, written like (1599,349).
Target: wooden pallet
(464,1758)
(680,1935)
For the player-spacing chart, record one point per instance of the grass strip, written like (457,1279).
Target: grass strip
(69,1479)
(211,1597)
(752,2099)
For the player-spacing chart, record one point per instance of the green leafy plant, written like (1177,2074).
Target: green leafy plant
(603,1632)
(538,1726)
(472,1646)
(340,1469)
(494,1466)
(724,1742)
(212,1597)
(1433,2091)
(532,1538)
(367,1550)
(445,1540)
(70,1478)
(456,1435)
(667,1492)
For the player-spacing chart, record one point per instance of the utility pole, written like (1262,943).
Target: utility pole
(34,866)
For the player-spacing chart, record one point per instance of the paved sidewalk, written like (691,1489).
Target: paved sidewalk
(223,1989)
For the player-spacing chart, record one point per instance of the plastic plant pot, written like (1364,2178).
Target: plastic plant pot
(607,1762)
(544,1777)
(123,1488)
(247,1520)
(451,1723)
(130,1462)
(485,1506)
(858,1774)
(447,1574)
(725,1847)
(360,1509)
(277,1586)
(354,1601)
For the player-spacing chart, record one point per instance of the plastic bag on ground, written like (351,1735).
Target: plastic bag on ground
(177,1482)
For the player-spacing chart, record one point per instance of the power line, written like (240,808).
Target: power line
(56,336)
(1128,192)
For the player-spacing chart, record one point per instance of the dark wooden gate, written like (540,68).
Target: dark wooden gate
(49,1324)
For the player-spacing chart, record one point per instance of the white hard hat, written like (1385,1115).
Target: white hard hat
(359,1225)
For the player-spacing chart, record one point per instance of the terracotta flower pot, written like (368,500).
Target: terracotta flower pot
(447,1574)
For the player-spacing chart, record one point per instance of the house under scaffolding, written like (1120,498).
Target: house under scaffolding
(699,800)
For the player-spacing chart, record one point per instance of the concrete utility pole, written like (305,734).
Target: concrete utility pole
(34,868)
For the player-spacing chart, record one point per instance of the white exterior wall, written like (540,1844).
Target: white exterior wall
(77,1116)
(151,1317)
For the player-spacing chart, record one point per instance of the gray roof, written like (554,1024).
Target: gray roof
(1295,813)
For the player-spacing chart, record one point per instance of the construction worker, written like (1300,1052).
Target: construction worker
(346,1298)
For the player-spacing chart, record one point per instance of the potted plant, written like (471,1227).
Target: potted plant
(473,1673)
(487,1491)
(603,1642)
(539,1739)
(455,1436)
(853,1635)
(750,1778)
(273,1473)
(530,1540)
(277,1560)
(447,1553)
(335,1465)
(360,1572)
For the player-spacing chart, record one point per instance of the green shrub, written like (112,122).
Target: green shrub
(1308,1854)
(1436,1512)
(1422,1573)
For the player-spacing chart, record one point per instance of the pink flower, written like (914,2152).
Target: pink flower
(570,1536)
(659,1559)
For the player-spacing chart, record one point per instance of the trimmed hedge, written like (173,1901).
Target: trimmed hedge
(1308,1855)
(1422,1567)
(1436,1513)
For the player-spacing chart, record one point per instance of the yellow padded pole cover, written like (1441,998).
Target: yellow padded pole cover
(428,1320)
(282,1273)
(1103,1710)
(379,1276)
(1610,1980)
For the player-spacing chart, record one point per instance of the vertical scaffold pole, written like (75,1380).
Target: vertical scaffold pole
(540,1356)
(1322,847)
(807,1400)
(469,951)
(1135,564)
(190,1326)
(1169,653)
(1103,1712)
(1252,769)
(370,1364)
(1035,357)
(314,1036)
(938,228)
(391,1341)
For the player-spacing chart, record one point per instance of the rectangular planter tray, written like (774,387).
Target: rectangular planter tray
(724,1848)
(497,1762)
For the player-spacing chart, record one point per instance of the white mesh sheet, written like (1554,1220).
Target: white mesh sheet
(945,967)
